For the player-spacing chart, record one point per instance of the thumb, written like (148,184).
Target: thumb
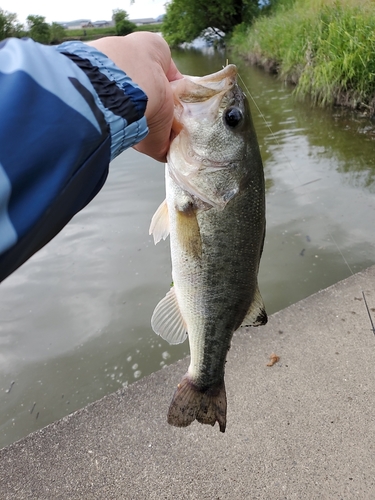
(173,73)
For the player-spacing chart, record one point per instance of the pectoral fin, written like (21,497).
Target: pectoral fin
(256,315)
(167,321)
(159,226)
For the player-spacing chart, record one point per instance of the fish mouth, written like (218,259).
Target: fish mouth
(199,89)
(223,79)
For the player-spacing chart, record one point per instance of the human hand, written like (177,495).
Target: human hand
(146,58)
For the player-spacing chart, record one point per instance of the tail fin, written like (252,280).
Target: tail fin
(189,403)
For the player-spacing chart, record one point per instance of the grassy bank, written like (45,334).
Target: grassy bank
(326,48)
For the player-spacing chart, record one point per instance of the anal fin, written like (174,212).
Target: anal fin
(256,315)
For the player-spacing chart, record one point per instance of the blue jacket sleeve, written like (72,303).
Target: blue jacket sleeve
(61,122)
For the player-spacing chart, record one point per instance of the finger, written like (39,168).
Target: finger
(173,73)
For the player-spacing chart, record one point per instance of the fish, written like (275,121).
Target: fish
(214,213)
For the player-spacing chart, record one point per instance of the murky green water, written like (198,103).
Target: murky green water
(75,320)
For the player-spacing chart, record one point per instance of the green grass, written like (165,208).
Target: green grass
(154,28)
(86,34)
(326,48)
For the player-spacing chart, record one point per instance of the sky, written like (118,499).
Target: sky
(70,10)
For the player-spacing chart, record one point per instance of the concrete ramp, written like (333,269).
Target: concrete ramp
(303,428)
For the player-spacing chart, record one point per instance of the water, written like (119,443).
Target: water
(75,319)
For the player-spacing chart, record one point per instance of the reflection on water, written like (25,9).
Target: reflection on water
(75,320)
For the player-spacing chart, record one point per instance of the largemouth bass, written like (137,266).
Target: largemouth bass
(215,214)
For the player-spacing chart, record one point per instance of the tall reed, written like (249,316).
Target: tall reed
(326,48)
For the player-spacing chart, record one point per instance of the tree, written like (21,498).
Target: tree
(9,25)
(39,30)
(187,19)
(57,33)
(122,23)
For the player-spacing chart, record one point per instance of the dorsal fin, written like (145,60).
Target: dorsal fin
(256,315)
(167,321)
(159,226)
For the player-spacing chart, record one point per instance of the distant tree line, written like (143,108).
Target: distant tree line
(39,30)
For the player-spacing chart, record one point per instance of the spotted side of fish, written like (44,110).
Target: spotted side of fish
(214,213)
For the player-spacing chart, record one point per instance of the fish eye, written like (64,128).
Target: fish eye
(233,117)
